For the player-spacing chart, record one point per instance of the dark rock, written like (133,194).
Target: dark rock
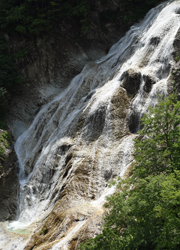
(134,122)
(108,174)
(149,81)
(8,186)
(8,195)
(53,60)
(131,81)
(177,11)
(176,44)
(155,41)
(95,123)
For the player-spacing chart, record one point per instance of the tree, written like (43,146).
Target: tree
(158,148)
(144,213)
(10,80)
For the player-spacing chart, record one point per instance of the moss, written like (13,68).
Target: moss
(5,137)
(44,229)
(4,143)
(177,58)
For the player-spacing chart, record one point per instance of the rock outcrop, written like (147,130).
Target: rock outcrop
(8,180)
(54,59)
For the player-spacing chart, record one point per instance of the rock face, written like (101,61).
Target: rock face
(59,225)
(53,60)
(8,193)
(8,181)
(48,70)
(175,76)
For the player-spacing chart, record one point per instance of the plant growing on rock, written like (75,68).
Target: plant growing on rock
(4,143)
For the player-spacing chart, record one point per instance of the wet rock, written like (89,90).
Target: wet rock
(65,147)
(149,81)
(108,174)
(176,45)
(118,112)
(95,123)
(59,224)
(155,41)
(175,75)
(173,80)
(134,122)
(131,81)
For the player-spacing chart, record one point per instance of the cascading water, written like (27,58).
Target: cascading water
(83,137)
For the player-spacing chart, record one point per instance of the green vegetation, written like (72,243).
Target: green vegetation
(37,17)
(177,58)
(4,143)
(133,10)
(10,79)
(144,213)
(30,17)
(44,229)
(129,12)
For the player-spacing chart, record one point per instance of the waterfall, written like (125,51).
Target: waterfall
(84,136)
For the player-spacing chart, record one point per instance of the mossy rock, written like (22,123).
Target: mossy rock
(4,147)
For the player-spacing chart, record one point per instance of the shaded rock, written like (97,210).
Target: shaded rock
(149,81)
(8,182)
(95,123)
(173,80)
(108,174)
(131,81)
(176,45)
(8,195)
(155,41)
(134,121)
(53,60)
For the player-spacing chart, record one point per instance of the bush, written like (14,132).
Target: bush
(10,79)
(144,214)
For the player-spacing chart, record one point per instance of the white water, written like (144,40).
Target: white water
(147,49)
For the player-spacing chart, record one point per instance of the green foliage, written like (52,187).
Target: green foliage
(4,143)
(31,17)
(44,229)
(3,104)
(21,53)
(2,149)
(10,79)
(5,137)
(145,213)
(159,149)
(177,58)
(133,10)
(145,217)
(37,16)
(8,71)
